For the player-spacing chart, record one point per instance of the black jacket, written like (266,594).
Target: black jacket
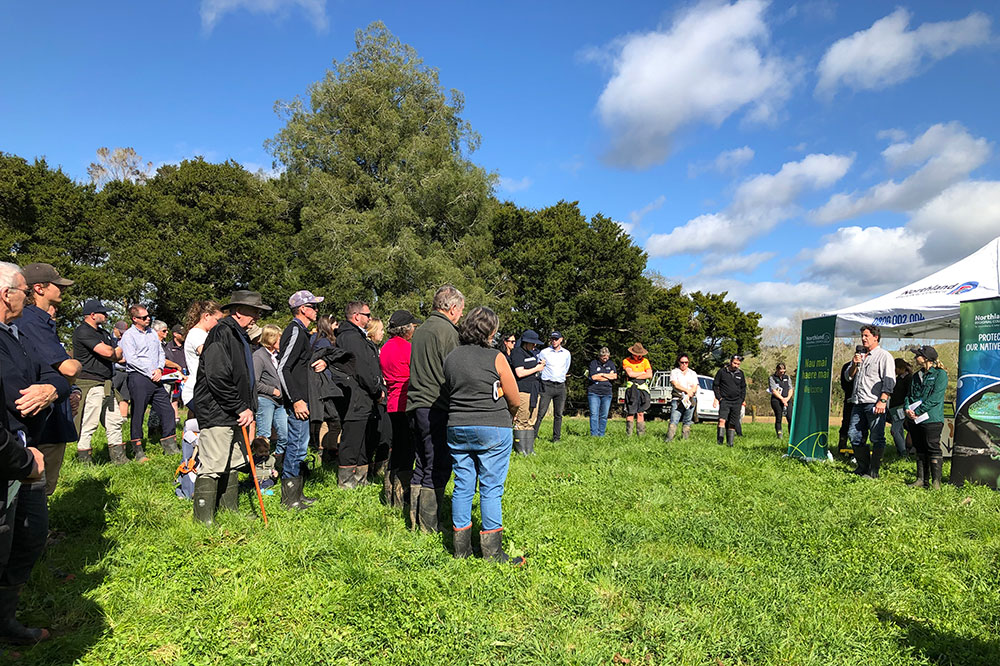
(363,388)
(730,385)
(326,393)
(225,385)
(20,369)
(293,363)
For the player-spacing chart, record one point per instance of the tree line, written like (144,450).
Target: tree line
(377,200)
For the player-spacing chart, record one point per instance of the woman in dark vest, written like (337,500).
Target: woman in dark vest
(779,385)
(482,397)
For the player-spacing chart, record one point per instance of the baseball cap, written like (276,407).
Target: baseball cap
(554,335)
(36,273)
(93,306)
(402,318)
(121,325)
(303,297)
(926,351)
(177,329)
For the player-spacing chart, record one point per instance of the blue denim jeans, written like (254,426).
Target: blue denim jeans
(483,452)
(599,406)
(298,444)
(863,417)
(678,412)
(270,413)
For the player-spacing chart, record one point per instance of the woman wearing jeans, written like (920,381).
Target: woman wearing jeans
(270,413)
(600,374)
(482,398)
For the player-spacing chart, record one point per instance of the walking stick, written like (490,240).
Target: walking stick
(253,469)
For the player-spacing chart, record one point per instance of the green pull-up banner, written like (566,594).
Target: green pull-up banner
(811,404)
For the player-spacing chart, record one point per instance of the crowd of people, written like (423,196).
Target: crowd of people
(442,398)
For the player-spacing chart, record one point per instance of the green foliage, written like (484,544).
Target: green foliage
(391,206)
(639,552)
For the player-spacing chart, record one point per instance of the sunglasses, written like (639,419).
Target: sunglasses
(143,318)
(367,314)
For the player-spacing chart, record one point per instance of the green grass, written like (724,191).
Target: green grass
(640,552)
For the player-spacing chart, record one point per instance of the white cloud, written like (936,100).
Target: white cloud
(709,64)
(888,53)
(212,11)
(263,172)
(958,221)
(776,301)
(725,162)
(637,215)
(512,185)
(947,153)
(734,263)
(759,204)
(868,258)
(893,134)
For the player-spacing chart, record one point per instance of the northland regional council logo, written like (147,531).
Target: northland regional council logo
(818,339)
(964,287)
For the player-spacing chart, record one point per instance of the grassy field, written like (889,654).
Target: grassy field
(640,552)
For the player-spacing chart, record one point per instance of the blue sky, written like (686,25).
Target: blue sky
(799,155)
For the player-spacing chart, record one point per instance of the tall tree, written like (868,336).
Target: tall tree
(391,206)
(121,164)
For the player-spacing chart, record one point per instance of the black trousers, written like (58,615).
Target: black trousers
(779,411)
(144,393)
(429,429)
(353,444)
(401,454)
(379,435)
(555,393)
(24,526)
(927,438)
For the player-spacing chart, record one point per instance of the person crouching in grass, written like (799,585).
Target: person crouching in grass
(482,398)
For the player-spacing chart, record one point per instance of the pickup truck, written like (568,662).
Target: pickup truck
(659,398)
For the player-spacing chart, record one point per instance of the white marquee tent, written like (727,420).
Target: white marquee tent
(928,308)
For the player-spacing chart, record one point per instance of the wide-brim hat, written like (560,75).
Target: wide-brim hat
(638,350)
(250,299)
(532,337)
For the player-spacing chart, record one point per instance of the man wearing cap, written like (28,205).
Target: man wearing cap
(28,388)
(225,399)
(638,372)
(95,349)
(873,384)
(144,361)
(847,374)
(294,359)
(557,359)
(36,323)
(394,359)
(730,388)
(427,407)
(527,368)
(364,387)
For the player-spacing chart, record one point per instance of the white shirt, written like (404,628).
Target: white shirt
(556,364)
(686,379)
(195,338)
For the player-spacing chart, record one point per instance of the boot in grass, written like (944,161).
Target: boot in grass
(629,427)
(686,432)
(117,453)
(138,454)
(875,463)
(937,462)
(720,436)
(361,476)
(279,461)
(291,493)
(492,545)
(521,441)
(387,481)
(228,492)
(863,455)
(13,632)
(169,445)
(730,438)
(921,473)
(463,542)
(204,497)
(529,445)
(345,477)
(85,457)
(427,511)
(671,432)
(640,427)
(414,506)
(401,487)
